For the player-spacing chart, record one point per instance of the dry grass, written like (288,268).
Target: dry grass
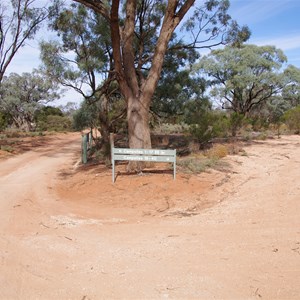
(217,151)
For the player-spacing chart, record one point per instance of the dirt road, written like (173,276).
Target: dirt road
(234,234)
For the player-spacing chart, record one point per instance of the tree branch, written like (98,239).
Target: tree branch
(98,6)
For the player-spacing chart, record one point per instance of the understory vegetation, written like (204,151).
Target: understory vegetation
(139,79)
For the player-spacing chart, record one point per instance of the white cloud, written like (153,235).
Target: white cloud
(255,11)
(285,43)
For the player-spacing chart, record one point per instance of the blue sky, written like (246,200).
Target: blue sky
(272,22)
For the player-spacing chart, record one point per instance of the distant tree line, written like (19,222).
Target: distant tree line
(136,71)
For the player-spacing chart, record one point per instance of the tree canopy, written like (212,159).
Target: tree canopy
(22,95)
(139,35)
(19,22)
(245,77)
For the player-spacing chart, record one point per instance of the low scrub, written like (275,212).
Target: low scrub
(167,128)
(198,163)
(7,148)
(208,126)
(195,164)
(55,123)
(292,119)
(217,151)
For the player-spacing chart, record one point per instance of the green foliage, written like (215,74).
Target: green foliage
(248,76)
(85,117)
(69,109)
(55,123)
(200,163)
(22,95)
(195,165)
(212,19)
(42,113)
(49,118)
(292,119)
(19,22)
(235,122)
(91,36)
(167,128)
(291,92)
(4,120)
(7,148)
(84,33)
(205,123)
(176,86)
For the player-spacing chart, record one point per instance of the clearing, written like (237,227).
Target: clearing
(67,232)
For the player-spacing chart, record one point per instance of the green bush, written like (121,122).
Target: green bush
(259,123)
(210,125)
(195,165)
(4,120)
(55,123)
(7,148)
(167,128)
(292,119)
(200,163)
(236,121)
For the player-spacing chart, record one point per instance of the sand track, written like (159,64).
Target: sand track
(68,233)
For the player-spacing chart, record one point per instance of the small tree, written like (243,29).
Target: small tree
(245,77)
(292,119)
(22,95)
(19,22)
(82,61)
(4,120)
(140,33)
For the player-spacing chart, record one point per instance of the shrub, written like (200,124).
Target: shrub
(7,148)
(236,122)
(195,164)
(217,151)
(167,128)
(55,123)
(210,125)
(292,119)
(4,120)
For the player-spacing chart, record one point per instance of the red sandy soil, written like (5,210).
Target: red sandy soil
(68,232)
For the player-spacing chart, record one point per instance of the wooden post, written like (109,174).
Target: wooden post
(112,145)
(174,166)
(111,140)
(84,149)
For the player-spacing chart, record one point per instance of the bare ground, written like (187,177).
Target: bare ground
(67,232)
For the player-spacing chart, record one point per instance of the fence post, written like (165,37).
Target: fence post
(90,139)
(112,145)
(84,148)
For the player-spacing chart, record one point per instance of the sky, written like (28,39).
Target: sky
(271,22)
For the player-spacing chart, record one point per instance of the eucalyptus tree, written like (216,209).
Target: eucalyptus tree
(82,60)
(291,92)
(246,77)
(22,95)
(177,86)
(140,32)
(19,22)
